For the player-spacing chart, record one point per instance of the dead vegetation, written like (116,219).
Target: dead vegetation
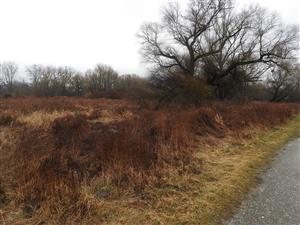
(71,155)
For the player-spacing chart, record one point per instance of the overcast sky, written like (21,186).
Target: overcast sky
(82,33)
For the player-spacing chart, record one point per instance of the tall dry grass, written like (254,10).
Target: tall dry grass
(53,163)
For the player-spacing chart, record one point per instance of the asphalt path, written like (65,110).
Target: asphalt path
(276,201)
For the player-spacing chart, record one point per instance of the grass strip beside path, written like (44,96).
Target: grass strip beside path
(229,169)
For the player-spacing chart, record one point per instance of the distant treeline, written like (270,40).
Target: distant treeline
(104,81)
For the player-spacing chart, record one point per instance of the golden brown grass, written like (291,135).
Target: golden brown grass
(229,169)
(80,161)
(41,119)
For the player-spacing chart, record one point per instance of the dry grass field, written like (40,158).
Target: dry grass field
(97,161)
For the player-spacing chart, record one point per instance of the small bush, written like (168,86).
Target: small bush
(2,195)
(6,120)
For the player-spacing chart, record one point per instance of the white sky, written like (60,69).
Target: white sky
(82,33)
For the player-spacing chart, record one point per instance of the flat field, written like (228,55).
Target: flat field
(98,161)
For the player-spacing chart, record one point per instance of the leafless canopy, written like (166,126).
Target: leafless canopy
(179,40)
(283,82)
(8,72)
(212,39)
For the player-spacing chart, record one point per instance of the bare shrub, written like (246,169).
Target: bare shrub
(6,119)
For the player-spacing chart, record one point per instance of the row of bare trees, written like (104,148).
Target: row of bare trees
(102,81)
(65,81)
(213,42)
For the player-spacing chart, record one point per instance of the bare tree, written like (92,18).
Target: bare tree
(213,41)
(62,78)
(282,83)
(77,84)
(8,72)
(178,41)
(42,79)
(34,72)
(101,78)
(260,42)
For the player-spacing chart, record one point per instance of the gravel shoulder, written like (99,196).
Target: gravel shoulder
(276,201)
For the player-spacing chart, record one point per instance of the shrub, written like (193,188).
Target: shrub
(6,120)
(2,195)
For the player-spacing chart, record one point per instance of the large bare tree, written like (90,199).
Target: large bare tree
(178,41)
(212,40)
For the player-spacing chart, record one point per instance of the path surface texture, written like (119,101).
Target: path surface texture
(276,201)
